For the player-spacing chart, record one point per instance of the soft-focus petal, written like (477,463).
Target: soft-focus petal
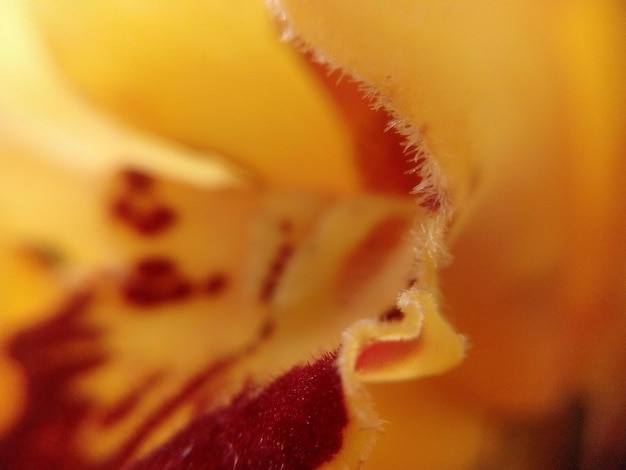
(206,74)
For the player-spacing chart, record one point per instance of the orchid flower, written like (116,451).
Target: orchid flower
(299,235)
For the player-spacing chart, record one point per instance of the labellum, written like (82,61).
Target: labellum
(223,234)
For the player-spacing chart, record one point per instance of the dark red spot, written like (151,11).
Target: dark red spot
(138,207)
(270,282)
(147,221)
(215,284)
(155,281)
(296,422)
(392,315)
(137,180)
(155,266)
(267,330)
(157,220)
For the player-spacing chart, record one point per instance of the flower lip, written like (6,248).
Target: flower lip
(264,430)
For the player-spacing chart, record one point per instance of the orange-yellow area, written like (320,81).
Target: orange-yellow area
(521,105)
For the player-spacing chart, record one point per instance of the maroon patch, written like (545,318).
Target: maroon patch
(296,422)
(146,221)
(138,207)
(155,281)
(270,282)
(392,315)
(41,438)
(215,284)
(137,179)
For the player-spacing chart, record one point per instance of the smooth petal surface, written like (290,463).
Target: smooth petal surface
(205,74)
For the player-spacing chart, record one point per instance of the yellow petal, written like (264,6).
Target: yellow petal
(216,289)
(55,150)
(207,75)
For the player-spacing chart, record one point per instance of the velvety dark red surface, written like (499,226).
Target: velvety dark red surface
(296,422)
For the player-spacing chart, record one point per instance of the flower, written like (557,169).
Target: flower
(216,261)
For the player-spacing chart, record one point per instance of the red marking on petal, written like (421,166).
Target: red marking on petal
(368,257)
(46,434)
(155,266)
(124,407)
(137,205)
(392,315)
(155,281)
(270,282)
(145,221)
(158,220)
(215,284)
(41,438)
(186,394)
(382,157)
(382,354)
(296,422)
(137,180)
(267,330)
